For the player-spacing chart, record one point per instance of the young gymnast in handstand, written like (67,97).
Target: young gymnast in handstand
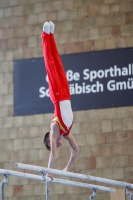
(60,96)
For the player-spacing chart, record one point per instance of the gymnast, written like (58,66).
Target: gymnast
(60,96)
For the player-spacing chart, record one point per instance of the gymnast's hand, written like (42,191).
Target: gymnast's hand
(50,176)
(65,169)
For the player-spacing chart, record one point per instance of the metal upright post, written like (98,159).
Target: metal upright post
(93,194)
(131,197)
(2,191)
(128,192)
(47,190)
(46,179)
(2,187)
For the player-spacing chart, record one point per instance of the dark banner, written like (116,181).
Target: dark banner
(101,79)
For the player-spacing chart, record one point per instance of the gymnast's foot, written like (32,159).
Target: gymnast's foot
(46,27)
(52,26)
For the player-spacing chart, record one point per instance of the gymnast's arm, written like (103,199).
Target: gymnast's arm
(74,153)
(53,141)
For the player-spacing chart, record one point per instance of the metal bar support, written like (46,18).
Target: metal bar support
(131,197)
(93,194)
(47,190)
(2,191)
(5,181)
(128,192)
(47,184)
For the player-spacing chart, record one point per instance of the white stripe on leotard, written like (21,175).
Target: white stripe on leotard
(66,112)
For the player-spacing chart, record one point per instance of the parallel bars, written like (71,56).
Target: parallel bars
(44,170)
(43,178)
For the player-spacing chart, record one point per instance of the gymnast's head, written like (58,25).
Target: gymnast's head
(46,141)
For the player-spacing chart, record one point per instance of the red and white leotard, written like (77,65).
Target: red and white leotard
(58,84)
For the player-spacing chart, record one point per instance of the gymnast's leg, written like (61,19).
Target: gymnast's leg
(63,83)
(51,68)
(64,103)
